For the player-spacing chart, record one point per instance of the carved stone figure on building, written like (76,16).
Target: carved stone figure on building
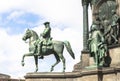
(98,22)
(93,2)
(115,24)
(104,22)
(109,35)
(104,7)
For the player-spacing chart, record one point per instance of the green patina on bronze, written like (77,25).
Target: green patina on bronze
(97,46)
(46,46)
(105,31)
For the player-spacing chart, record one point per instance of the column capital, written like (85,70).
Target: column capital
(85,2)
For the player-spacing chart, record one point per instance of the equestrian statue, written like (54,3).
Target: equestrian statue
(40,47)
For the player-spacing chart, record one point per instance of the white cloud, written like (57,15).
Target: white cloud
(11,50)
(64,11)
(15,15)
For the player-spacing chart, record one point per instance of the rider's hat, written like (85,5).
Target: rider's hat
(46,23)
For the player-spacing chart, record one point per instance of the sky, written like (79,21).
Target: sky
(66,22)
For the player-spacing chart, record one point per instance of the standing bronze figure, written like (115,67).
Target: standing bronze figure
(97,46)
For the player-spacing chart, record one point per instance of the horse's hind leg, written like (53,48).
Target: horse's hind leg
(57,61)
(63,60)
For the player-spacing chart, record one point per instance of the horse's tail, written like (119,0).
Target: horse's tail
(69,49)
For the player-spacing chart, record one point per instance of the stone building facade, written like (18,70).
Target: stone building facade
(4,77)
(118,9)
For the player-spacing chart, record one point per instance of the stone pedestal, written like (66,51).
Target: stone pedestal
(95,74)
(84,61)
(118,8)
(85,58)
(114,53)
(112,57)
(111,73)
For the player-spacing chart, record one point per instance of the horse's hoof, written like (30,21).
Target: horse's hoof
(51,70)
(36,70)
(63,71)
(41,57)
(23,64)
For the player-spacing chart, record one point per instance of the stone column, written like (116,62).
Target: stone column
(85,52)
(85,4)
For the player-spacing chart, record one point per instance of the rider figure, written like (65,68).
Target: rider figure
(46,38)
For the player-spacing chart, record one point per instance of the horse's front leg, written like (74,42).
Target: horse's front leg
(36,62)
(28,54)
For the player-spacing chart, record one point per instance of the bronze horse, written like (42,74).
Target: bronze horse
(57,50)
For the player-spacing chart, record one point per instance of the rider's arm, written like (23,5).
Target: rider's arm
(46,31)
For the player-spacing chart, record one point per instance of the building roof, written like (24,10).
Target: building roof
(4,76)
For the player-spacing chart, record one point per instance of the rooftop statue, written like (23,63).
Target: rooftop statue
(42,47)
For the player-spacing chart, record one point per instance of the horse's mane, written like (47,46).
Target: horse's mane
(35,34)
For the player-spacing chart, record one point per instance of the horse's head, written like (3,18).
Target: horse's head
(27,34)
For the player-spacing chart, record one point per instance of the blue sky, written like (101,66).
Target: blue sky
(18,22)
(65,17)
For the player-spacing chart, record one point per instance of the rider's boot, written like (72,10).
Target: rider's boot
(39,52)
(39,49)
(41,57)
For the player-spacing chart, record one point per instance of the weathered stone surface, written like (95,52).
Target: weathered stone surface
(4,76)
(95,74)
(118,9)
(85,58)
(84,61)
(114,52)
(77,67)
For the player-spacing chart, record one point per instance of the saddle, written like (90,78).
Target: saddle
(47,44)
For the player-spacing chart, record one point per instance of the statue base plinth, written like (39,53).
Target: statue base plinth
(93,74)
(112,58)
